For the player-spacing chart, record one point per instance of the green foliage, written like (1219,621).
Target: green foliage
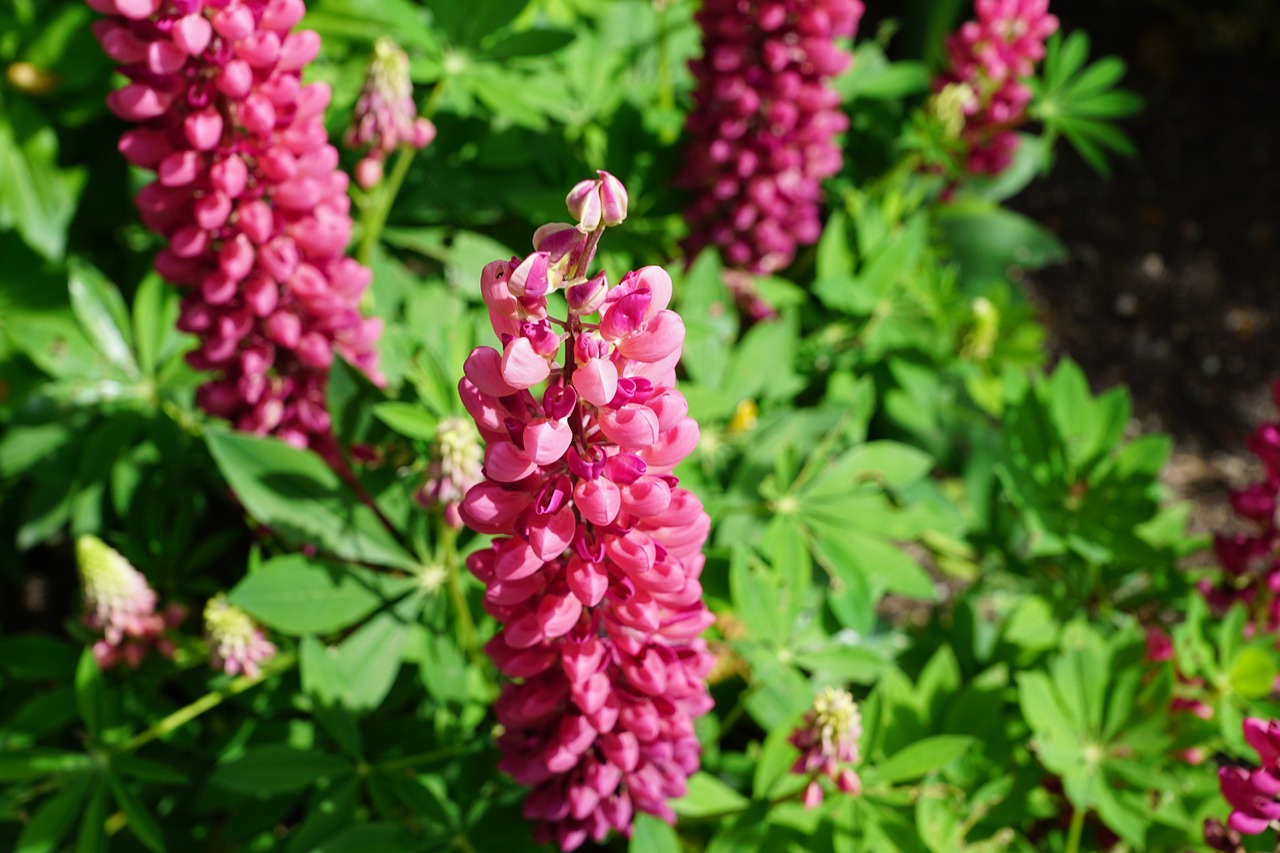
(904,504)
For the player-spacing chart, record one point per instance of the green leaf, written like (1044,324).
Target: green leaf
(988,240)
(707,795)
(1253,672)
(776,757)
(54,819)
(90,693)
(652,835)
(296,494)
(92,837)
(896,465)
(370,660)
(847,662)
(327,815)
(141,823)
(883,565)
(919,758)
(296,595)
(148,771)
(266,771)
(103,316)
(754,595)
(762,360)
(361,670)
(407,419)
(155,314)
(39,762)
(36,196)
(835,254)
(369,838)
(36,657)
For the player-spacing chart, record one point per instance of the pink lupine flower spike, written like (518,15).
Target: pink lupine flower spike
(249,199)
(593,573)
(983,95)
(763,126)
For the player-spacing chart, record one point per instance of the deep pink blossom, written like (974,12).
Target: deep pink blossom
(1251,792)
(593,572)
(763,126)
(1249,572)
(983,93)
(249,198)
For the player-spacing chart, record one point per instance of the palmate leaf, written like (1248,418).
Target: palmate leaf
(296,494)
(36,196)
(1076,101)
(1097,721)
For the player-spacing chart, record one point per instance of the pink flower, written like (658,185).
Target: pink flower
(120,605)
(1249,573)
(594,570)
(828,744)
(250,199)
(983,95)
(1251,793)
(763,125)
(385,116)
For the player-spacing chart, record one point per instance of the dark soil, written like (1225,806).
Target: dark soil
(1173,287)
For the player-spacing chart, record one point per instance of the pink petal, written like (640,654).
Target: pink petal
(633,427)
(546,441)
(521,366)
(506,463)
(660,337)
(597,500)
(596,381)
(484,368)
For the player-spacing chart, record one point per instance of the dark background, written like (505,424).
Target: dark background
(1173,286)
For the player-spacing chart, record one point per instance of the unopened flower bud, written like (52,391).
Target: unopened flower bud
(236,643)
(828,744)
(119,603)
(613,199)
(583,202)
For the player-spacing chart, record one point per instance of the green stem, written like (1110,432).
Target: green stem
(179,718)
(466,626)
(1076,830)
(408,762)
(375,215)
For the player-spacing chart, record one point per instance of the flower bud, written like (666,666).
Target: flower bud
(236,644)
(583,202)
(613,199)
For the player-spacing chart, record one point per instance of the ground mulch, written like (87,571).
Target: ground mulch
(1173,286)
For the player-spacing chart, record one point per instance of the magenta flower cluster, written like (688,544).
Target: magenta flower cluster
(763,125)
(990,59)
(249,196)
(593,573)
(1250,570)
(1251,792)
